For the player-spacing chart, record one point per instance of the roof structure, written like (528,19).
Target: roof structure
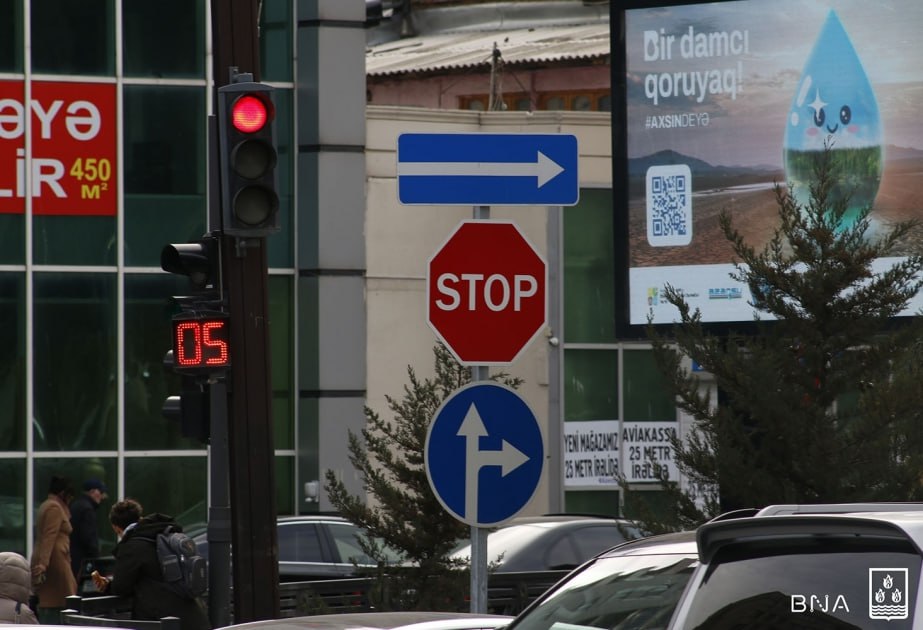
(447,51)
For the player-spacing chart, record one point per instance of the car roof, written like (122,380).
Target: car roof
(314,518)
(673,543)
(409,620)
(812,521)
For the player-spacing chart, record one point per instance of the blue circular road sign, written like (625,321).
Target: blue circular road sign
(484,454)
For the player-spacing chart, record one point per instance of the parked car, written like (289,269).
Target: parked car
(854,566)
(549,543)
(382,621)
(316,547)
(634,586)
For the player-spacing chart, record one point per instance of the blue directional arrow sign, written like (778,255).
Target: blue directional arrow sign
(484,454)
(487,169)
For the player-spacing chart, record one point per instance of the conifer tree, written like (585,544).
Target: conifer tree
(403,512)
(820,401)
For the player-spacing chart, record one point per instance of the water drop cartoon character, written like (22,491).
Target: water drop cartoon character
(834,104)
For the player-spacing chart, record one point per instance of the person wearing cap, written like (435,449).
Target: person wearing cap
(85,533)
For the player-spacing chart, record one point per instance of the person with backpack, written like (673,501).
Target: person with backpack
(138,571)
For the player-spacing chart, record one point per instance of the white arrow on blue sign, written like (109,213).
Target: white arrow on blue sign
(484,454)
(487,169)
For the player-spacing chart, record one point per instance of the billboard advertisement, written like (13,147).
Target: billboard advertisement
(724,100)
(72,160)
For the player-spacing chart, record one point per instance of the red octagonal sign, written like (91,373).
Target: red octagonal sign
(486,292)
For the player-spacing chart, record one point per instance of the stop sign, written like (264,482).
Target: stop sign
(486,292)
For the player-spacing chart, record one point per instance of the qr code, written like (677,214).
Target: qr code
(669,205)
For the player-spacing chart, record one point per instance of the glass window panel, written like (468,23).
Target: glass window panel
(285,485)
(177,486)
(281,245)
(583,103)
(11,47)
(554,103)
(12,239)
(589,269)
(78,470)
(591,384)
(282,355)
(299,542)
(523,104)
(308,456)
(165,172)
(13,361)
(605,103)
(13,505)
(276,41)
(476,105)
(145,33)
(54,242)
(148,311)
(73,37)
(75,364)
(604,502)
(647,396)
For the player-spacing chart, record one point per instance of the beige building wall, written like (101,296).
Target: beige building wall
(401,239)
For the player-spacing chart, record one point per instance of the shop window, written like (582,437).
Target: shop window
(147,382)
(647,393)
(159,47)
(74,36)
(13,505)
(11,45)
(276,41)
(12,362)
(282,355)
(591,384)
(165,176)
(589,269)
(177,486)
(74,363)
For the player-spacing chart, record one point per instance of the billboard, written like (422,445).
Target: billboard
(71,133)
(724,100)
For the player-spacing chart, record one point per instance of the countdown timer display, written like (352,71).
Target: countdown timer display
(201,342)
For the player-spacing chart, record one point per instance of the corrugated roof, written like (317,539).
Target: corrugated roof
(452,51)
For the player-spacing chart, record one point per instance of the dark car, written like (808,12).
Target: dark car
(317,547)
(635,586)
(549,543)
(836,567)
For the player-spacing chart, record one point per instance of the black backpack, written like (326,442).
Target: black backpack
(184,570)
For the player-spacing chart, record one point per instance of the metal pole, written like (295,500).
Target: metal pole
(479,534)
(219,511)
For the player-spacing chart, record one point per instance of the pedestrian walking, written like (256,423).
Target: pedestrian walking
(85,534)
(52,576)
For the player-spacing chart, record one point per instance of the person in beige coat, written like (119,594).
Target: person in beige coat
(52,577)
(15,589)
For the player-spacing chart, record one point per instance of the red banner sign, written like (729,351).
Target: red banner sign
(73,163)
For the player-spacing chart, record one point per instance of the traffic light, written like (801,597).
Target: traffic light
(247,159)
(200,336)
(191,409)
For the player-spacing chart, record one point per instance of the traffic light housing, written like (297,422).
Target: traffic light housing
(198,260)
(247,158)
(191,409)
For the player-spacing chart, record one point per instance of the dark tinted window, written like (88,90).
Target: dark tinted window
(299,543)
(562,554)
(820,583)
(594,540)
(619,593)
(73,37)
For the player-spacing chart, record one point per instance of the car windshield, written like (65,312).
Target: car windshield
(614,593)
(823,583)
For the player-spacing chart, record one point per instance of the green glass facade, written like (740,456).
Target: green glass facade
(83,301)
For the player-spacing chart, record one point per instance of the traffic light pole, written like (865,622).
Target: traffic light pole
(250,426)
